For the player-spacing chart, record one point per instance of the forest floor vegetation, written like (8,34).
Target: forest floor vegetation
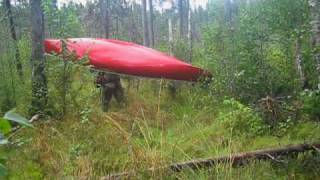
(154,130)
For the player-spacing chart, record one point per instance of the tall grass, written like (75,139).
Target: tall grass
(152,131)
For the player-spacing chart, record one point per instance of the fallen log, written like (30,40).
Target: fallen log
(238,159)
(241,158)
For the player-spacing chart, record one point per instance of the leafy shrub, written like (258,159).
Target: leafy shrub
(311,103)
(284,126)
(6,128)
(240,119)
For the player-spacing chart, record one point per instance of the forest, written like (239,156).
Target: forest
(255,115)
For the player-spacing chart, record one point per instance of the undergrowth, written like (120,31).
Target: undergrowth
(155,130)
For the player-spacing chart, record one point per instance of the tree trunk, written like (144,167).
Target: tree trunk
(39,80)
(151,31)
(181,18)
(14,38)
(117,27)
(173,85)
(54,26)
(227,11)
(105,17)
(315,25)
(189,31)
(298,63)
(170,34)
(54,4)
(146,41)
(145,26)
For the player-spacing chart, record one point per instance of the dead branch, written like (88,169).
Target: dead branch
(238,159)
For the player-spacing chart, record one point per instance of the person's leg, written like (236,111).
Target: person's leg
(119,94)
(106,96)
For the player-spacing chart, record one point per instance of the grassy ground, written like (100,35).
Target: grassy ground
(151,131)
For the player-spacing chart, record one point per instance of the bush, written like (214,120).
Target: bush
(311,103)
(240,119)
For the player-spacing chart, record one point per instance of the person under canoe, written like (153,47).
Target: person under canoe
(110,85)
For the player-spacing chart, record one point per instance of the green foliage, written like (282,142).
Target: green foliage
(85,115)
(5,126)
(3,170)
(284,126)
(311,103)
(11,116)
(14,117)
(251,57)
(67,79)
(305,131)
(181,49)
(240,119)
(62,22)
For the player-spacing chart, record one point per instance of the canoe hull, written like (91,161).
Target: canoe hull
(127,58)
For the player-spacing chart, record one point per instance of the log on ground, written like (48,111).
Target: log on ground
(238,159)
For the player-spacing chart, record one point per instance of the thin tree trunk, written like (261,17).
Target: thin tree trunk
(315,25)
(227,11)
(154,83)
(54,4)
(105,17)
(54,26)
(170,31)
(173,85)
(145,26)
(151,30)
(117,27)
(146,41)
(65,78)
(181,18)
(14,38)
(39,80)
(298,63)
(190,31)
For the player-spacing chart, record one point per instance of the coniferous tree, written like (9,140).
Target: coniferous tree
(14,38)
(146,41)
(39,80)
(151,17)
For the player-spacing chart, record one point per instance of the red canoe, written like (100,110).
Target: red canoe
(127,58)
